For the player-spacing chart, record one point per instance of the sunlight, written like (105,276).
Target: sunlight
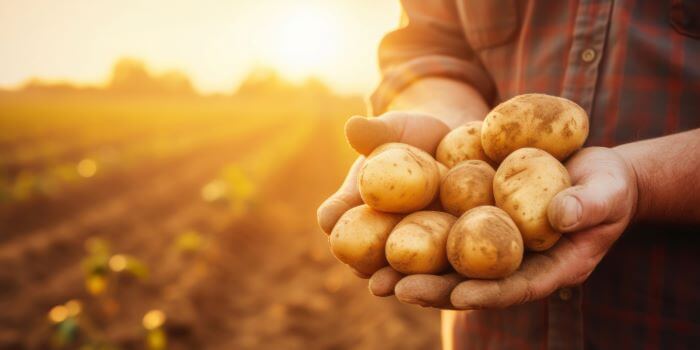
(216,43)
(304,41)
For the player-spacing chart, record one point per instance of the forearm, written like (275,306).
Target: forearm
(451,101)
(667,171)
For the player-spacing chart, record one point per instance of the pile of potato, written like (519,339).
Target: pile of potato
(473,208)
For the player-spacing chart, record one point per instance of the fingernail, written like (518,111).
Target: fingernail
(571,212)
(464,305)
(414,301)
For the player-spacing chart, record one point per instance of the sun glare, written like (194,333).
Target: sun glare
(215,43)
(305,41)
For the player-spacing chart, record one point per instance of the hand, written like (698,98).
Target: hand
(592,214)
(364,135)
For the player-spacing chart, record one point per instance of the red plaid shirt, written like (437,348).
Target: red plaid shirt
(635,67)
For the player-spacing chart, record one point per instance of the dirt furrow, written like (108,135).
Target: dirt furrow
(18,219)
(126,211)
(149,217)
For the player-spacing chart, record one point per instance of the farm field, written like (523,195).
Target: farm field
(200,207)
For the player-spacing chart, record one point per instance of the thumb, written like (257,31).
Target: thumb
(416,129)
(345,198)
(592,202)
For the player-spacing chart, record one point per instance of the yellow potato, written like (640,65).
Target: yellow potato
(435,205)
(442,170)
(359,237)
(417,243)
(524,184)
(467,185)
(550,123)
(398,178)
(485,243)
(460,144)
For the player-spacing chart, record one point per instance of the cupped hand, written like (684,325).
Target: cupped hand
(592,214)
(364,135)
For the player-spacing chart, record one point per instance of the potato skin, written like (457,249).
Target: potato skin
(524,184)
(553,124)
(435,205)
(442,170)
(462,143)
(398,178)
(467,185)
(359,237)
(485,243)
(417,243)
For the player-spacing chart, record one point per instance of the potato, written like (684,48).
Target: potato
(550,123)
(467,185)
(442,170)
(417,243)
(485,243)
(398,178)
(460,144)
(435,205)
(359,237)
(524,184)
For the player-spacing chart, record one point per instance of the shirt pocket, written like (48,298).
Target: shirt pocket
(488,23)
(685,17)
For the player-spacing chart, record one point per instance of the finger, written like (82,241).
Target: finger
(415,129)
(536,279)
(596,199)
(347,197)
(382,282)
(359,274)
(427,290)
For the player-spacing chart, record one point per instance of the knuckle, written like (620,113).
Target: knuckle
(579,277)
(618,187)
(528,294)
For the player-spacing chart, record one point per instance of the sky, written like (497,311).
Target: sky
(215,42)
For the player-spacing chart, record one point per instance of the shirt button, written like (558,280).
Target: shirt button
(588,55)
(565,294)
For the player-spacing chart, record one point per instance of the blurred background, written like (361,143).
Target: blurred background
(160,166)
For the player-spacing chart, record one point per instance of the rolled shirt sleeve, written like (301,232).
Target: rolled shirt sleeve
(431,44)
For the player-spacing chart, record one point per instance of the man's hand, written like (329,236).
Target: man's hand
(364,135)
(593,214)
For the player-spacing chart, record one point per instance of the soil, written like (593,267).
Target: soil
(264,279)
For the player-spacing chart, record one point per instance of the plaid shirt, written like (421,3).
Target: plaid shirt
(634,66)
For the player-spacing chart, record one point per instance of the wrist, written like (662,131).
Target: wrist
(450,117)
(638,179)
(452,102)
